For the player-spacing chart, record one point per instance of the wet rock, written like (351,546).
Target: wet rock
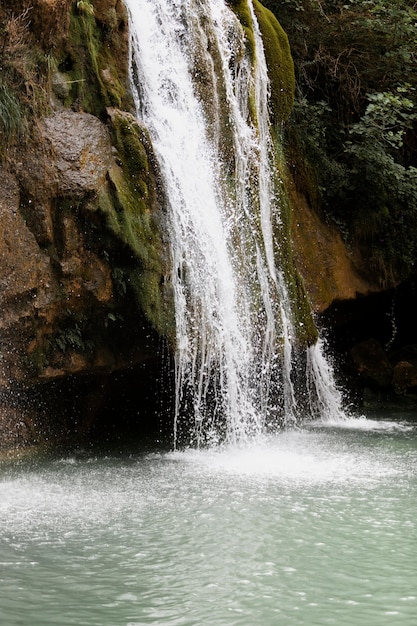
(16,428)
(82,152)
(70,157)
(332,272)
(77,237)
(24,268)
(372,363)
(404,377)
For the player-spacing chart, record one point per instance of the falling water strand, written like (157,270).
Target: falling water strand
(325,398)
(193,81)
(268,201)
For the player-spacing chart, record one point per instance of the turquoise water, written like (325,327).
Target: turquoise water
(310,527)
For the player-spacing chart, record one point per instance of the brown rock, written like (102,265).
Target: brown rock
(47,19)
(47,271)
(24,269)
(404,377)
(372,362)
(82,152)
(70,158)
(64,307)
(330,271)
(108,11)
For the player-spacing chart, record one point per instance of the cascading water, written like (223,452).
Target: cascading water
(205,102)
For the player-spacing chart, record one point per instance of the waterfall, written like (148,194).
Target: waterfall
(204,100)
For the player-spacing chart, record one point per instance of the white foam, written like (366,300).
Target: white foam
(364,424)
(293,456)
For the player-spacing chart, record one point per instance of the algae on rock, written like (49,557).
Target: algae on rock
(131,203)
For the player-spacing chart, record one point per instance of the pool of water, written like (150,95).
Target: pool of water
(309,527)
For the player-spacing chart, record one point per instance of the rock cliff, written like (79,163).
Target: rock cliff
(82,253)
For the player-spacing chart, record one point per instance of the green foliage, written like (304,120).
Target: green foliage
(344,50)
(22,83)
(388,217)
(386,120)
(11,114)
(72,335)
(353,130)
(312,136)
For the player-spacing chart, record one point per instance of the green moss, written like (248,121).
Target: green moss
(282,81)
(128,218)
(133,142)
(129,189)
(130,205)
(279,62)
(90,64)
(277,53)
(147,288)
(85,7)
(242,12)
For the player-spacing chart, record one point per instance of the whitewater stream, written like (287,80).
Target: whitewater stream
(309,527)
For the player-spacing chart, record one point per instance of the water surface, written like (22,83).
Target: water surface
(308,527)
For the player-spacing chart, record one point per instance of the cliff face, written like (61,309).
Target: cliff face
(356,187)
(82,253)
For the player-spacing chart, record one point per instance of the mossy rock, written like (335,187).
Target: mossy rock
(302,318)
(277,54)
(132,210)
(91,63)
(242,11)
(279,62)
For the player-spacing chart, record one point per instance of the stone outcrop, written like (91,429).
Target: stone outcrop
(62,310)
(372,363)
(405,377)
(48,272)
(24,269)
